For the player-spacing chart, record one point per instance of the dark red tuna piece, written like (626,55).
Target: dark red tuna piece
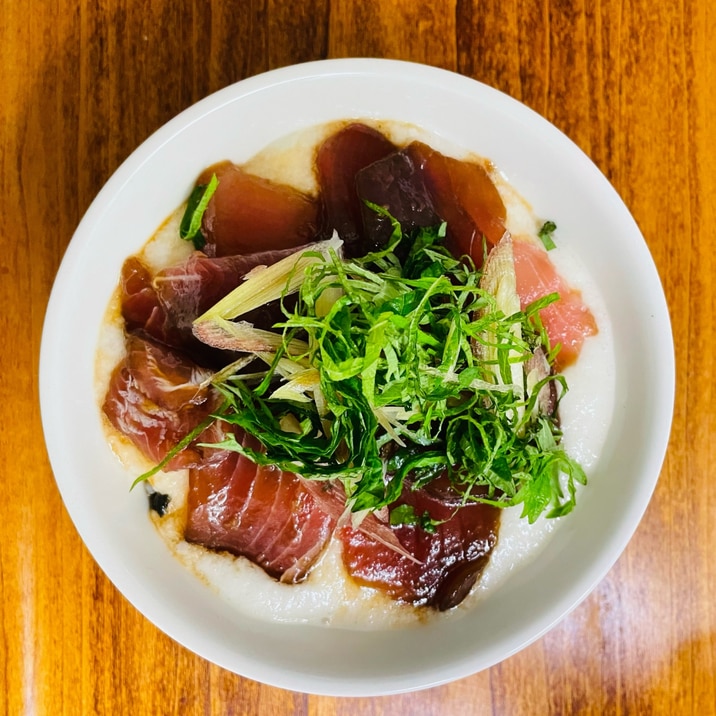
(147,315)
(464,196)
(338,161)
(397,184)
(188,290)
(140,305)
(247,213)
(155,398)
(261,513)
(448,561)
(164,306)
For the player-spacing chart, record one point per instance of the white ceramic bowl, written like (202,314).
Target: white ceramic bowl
(559,180)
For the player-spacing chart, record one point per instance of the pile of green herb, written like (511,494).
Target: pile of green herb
(409,370)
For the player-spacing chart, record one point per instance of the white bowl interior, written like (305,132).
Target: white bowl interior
(235,123)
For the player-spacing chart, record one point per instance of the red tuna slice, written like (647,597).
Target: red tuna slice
(338,161)
(396,183)
(164,306)
(138,298)
(188,290)
(156,398)
(248,212)
(567,321)
(449,561)
(261,513)
(464,196)
(331,496)
(146,314)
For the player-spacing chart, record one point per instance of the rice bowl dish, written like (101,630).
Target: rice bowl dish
(621,437)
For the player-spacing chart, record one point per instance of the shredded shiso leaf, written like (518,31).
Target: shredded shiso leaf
(282,278)
(411,369)
(190,227)
(545,235)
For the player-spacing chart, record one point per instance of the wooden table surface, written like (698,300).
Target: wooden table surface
(633,83)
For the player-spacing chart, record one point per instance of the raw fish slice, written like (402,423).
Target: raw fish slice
(396,183)
(189,289)
(164,307)
(567,321)
(338,161)
(140,305)
(448,561)
(146,315)
(155,398)
(166,377)
(261,513)
(464,196)
(247,211)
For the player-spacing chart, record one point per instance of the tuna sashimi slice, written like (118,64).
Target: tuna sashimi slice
(164,306)
(463,195)
(248,211)
(261,513)
(156,398)
(396,183)
(447,563)
(568,321)
(338,161)
(187,290)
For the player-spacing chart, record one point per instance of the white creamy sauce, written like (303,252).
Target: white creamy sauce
(329,597)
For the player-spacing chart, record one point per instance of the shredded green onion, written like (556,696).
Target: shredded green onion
(416,372)
(545,235)
(190,226)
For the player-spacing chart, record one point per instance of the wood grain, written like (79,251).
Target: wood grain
(633,84)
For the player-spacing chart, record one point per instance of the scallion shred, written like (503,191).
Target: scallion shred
(190,226)
(546,235)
